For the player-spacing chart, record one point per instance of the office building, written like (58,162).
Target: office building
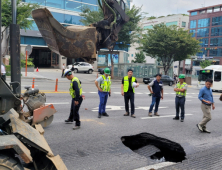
(206,25)
(180,20)
(67,13)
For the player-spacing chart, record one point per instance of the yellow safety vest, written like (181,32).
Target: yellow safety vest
(72,92)
(106,84)
(126,83)
(181,86)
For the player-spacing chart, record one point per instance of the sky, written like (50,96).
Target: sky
(165,7)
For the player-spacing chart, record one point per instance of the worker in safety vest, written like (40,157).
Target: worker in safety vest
(76,94)
(128,90)
(181,90)
(103,83)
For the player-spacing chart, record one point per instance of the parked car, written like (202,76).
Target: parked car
(167,80)
(81,67)
(101,70)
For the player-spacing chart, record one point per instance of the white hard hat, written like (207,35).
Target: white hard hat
(67,72)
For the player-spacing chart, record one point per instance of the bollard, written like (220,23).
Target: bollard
(33,83)
(56,86)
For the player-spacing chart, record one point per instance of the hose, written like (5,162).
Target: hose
(111,25)
(99,2)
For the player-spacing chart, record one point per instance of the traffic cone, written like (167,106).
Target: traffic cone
(37,70)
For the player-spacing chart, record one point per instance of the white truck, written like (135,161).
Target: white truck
(213,72)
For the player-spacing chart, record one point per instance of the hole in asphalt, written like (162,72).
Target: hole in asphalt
(154,147)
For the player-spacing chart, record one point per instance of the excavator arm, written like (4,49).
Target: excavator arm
(83,41)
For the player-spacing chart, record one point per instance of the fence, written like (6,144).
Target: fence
(139,70)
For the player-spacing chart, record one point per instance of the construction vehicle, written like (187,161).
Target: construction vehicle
(22,144)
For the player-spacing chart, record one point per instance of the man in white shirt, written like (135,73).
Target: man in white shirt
(63,69)
(3,72)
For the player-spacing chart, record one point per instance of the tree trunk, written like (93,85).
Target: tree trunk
(179,68)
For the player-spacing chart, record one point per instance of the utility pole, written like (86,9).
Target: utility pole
(1,37)
(15,48)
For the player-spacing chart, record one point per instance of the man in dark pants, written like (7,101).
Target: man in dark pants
(127,89)
(76,94)
(157,94)
(181,90)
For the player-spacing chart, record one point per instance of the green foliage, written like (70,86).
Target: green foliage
(205,63)
(29,63)
(129,32)
(139,58)
(8,70)
(23,12)
(169,44)
(152,17)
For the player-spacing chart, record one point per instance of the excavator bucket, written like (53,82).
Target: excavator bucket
(72,41)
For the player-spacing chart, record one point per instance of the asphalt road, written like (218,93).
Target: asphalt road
(97,145)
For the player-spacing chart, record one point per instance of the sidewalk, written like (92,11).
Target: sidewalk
(31,75)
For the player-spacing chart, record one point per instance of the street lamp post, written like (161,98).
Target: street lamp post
(15,48)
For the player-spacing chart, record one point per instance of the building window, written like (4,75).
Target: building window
(216,42)
(202,52)
(204,42)
(217,21)
(72,19)
(216,52)
(204,22)
(131,55)
(32,40)
(58,16)
(90,1)
(193,23)
(216,31)
(183,24)
(194,32)
(209,10)
(55,4)
(217,76)
(171,23)
(217,9)
(148,27)
(40,2)
(202,12)
(203,32)
(193,13)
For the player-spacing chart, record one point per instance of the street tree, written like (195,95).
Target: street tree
(139,57)
(24,10)
(130,32)
(169,44)
(205,63)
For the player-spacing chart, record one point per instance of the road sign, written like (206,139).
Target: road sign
(28,48)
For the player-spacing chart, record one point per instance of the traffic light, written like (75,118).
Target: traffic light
(205,48)
(215,48)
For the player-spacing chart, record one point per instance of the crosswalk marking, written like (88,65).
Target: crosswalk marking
(140,93)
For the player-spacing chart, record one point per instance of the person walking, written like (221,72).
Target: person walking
(76,94)
(103,83)
(206,97)
(157,94)
(181,91)
(128,90)
(3,72)
(63,69)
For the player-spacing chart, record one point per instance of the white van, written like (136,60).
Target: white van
(213,72)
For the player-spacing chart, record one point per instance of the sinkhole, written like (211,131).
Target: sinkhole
(154,147)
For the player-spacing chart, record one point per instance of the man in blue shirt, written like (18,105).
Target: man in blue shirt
(206,97)
(157,94)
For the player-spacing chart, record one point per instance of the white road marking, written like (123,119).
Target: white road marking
(28,85)
(139,93)
(162,116)
(116,92)
(58,103)
(110,108)
(93,92)
(156,166)
(147,108)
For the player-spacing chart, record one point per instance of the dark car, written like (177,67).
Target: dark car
(167,80)
(101,70)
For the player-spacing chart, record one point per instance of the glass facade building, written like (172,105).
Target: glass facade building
(64,11)
(206,25)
